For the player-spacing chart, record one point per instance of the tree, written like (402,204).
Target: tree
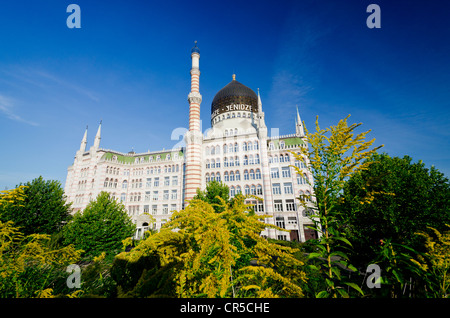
(214,192)
(333,160)
(405,198)
(384,207)
(43,209)
(28,267)
(204,253)
(101,227)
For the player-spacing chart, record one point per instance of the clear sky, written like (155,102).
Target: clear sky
(129,63)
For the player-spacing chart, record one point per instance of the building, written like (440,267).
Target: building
(237,150)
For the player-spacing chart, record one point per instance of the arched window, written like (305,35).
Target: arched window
(253,190)
(217,163)
(105,184)
(225,162)
(238,175)
(231,162)
(257,159)
(225,176)
(232,192)
(207,177)
(231,176)
(245,175)
(230,147)
(213,163)
(213,150)
(255,145)
(236,161)
(235,131)
(124,184)
(259,190)
(250,159)
(207,164)
(252,174)
(245,160)
(225,148)
(217,150)
(207,151)
(218,176)
(236,147)
(258,174)
(226,133)
(244,146)
(249,146)
(213,176)
(238,190)
(247,190)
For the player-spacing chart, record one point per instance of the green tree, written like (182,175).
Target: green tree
(334,155)
(101,227)
(43,209)
(384,206)
(214,193)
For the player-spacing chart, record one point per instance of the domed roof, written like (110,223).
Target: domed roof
(234,93)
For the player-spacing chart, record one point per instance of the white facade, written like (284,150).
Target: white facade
(236,150)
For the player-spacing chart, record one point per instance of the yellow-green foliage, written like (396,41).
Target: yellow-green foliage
(26,262)
(213,253)
(436,262)
(14,196)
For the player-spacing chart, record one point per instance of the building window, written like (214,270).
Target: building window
(238,176)
(231,176)
(288,188)
(175,180)
(148,183)
(207,177)
(154,209)
(244,146)
(226,177)
(280,222)
(252,174)
(225,162)
(147,196)
(232,191)
(245,160)
(146,208)
(278,206)
(155,195)
(166,181)
(123,197)
(173,195)
(166,195)
(156,183)
(124,184)
(286,172)
(236,146)
(246,176)
(258,174)
(290,205)
(253,190)
(259,190)
(276,189)
(238,190)
(165,209)
(218,176)
(247,190)
(274,173)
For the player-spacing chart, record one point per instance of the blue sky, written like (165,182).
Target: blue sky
(129,66)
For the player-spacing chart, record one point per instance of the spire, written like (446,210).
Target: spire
(259,103)
(84,141)
(298,125)
(97,137)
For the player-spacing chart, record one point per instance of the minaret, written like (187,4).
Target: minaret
(299,126)
(97,137)
(194,136)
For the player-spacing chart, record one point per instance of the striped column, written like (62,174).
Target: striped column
(194,136)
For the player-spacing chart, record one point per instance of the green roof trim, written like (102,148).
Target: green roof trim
(132,158)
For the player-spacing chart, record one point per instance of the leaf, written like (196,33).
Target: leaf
(356,287)
(322,294)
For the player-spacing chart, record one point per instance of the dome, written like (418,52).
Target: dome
(237,94)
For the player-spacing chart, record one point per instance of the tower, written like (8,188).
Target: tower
(193,137)
(299,126)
